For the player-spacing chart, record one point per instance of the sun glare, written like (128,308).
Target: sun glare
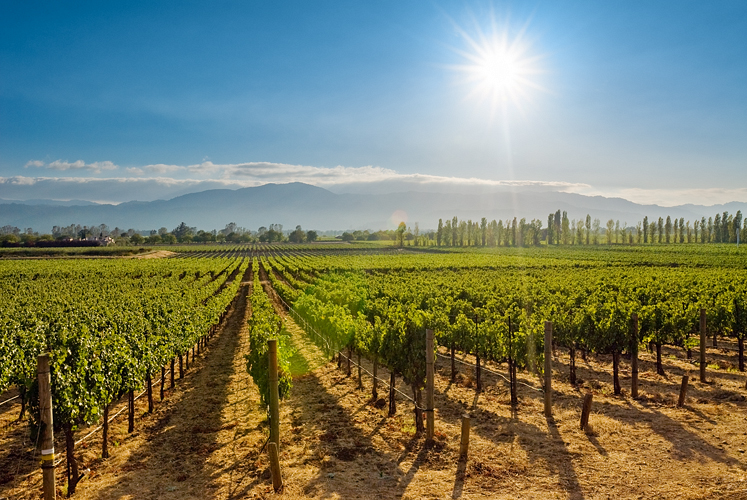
(500,69)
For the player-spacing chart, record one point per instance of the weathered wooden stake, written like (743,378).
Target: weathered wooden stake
(105,434)
(634,358)
(374,392)
(511,366)
(703,345)
(131,416)
(163,380)
(683,392)
(272,353)
(392,401)
(172,373)
(586,410)
(277,479)
(360,376)
(47,429)
(464,445)
(150,392)
(181,366)
(429,374)
(548,368)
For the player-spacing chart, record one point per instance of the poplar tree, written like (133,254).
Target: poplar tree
(725,227)
(738,225)
(715,228)
(588,228)
(454,229)
(484,229)
(439,232)
(682,233)
(645,229)
(566,229)
(556,227)
(549,229)
(668,228)
(660,228)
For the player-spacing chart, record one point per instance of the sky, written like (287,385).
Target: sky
(146,100)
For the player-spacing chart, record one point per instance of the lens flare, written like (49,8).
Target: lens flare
(500,68)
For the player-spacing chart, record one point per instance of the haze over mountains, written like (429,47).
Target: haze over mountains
(317,208)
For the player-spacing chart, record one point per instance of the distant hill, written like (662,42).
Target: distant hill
(65,203)
(316,208)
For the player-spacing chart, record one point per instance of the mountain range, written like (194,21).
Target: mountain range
(317,208)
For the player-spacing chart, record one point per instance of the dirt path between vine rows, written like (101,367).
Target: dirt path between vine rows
(204,441)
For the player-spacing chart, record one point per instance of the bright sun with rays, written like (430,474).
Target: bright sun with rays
(500,69)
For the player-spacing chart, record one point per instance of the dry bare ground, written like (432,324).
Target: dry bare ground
(204,441)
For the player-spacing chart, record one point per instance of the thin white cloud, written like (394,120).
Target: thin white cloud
(163,181)
(63,165)
(675,197)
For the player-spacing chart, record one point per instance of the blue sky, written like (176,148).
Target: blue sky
(644,100)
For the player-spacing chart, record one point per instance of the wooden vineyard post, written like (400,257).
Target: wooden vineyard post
(585,411)
(131,415)
(272,352)
(374,392)
(548,369)
(478,372)
(163,380)
(634,358)
(464,444)
(360,376)
(703,346)
(181,366)
(429,374)
(392,401)
(683,392)
(105,434)
(47,429)
(150,392)
(277,479)
(511,367)
(172,373)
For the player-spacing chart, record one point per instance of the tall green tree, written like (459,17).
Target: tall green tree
(588,228)
(660,229)
(645,229)
(549,229)
(484,230)
(610,231)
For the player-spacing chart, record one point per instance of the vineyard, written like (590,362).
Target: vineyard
(626,325)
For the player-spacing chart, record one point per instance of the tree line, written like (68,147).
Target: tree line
(562,230)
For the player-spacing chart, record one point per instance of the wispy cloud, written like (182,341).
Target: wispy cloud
(63,165)
(163,181)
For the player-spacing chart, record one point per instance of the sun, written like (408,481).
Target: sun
(499,68)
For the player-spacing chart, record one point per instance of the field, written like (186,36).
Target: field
(197,314)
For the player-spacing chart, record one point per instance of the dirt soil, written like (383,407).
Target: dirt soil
(159,254)
(204,440)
